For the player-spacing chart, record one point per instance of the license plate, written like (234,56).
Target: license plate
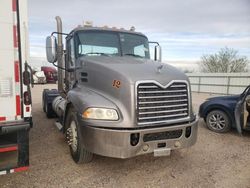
(162,152)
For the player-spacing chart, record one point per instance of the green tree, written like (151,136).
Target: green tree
(226,60)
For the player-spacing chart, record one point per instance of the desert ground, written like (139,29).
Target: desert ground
(216,160)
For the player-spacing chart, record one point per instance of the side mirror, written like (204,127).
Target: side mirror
(157,51)
(51,49)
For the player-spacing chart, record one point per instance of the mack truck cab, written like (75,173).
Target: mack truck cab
(112,99)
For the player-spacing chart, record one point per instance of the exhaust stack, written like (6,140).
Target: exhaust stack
(60,61)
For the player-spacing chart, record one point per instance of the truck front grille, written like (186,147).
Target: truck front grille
(162,105)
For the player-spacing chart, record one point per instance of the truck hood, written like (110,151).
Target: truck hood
(114,78)
(131,69)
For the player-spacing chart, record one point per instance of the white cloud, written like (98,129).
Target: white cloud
(186,29)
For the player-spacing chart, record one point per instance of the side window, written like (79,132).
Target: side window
(71,53)
(140,50)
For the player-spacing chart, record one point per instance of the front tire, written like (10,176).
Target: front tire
(218,121)
(74,138)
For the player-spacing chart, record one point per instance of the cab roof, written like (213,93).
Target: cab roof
(89,28)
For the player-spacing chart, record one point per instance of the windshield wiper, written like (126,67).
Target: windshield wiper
(134,55)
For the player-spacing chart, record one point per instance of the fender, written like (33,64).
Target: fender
(220,106)
(82,97)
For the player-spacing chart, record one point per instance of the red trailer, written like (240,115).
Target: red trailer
(50,73)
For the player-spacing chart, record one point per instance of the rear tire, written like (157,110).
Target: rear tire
(218,121)
(78,152)
(43,99)
(49,110)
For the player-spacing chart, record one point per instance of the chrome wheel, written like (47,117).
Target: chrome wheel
(75,139)
(218,121)
(72,136)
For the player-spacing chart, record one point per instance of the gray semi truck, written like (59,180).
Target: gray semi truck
(112,100)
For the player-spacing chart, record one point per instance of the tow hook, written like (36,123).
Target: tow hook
(69,136)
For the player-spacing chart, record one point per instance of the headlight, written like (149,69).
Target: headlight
(100,114)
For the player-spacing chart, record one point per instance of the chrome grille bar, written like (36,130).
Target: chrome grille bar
(163,91)
(153,102)
(164,111)
(154,117)
(164,96)
(173,86)
(143,87)
(167,106)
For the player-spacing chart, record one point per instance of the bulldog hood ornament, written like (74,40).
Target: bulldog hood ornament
(159,68)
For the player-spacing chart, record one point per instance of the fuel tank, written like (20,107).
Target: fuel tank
(58,106)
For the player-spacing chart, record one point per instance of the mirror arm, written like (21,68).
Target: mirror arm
(68,70)
(152,42)
(27,66)
(52,34)
(59,67)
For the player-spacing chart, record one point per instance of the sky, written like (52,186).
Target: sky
(186,29)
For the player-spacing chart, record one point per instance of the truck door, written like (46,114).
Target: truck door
(246,122)
(242,111)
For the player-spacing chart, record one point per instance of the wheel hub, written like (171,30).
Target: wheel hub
(71,136)
(217,121)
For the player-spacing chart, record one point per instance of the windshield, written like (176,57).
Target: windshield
(97,43)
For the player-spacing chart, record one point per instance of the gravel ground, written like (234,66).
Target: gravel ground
(216,160)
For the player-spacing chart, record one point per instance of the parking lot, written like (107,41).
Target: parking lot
(216,160)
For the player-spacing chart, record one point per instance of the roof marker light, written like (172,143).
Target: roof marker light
(132,28)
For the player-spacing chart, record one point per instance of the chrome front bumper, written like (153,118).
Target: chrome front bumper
(116,143)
